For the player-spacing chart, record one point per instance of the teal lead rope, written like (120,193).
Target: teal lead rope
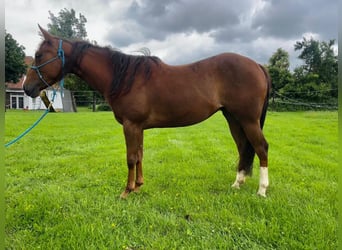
(33,125)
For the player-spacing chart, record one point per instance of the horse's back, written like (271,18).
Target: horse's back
(187,94)
(222,80)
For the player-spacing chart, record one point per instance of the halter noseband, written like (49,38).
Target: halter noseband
(60,55)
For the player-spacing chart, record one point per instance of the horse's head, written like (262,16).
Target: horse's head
(47,67)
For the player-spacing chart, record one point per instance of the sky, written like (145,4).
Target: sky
(183,31)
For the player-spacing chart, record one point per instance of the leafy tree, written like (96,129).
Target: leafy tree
(67,25)
(278,67)
(306,87)
(329,68)
(15,65)
(315,81)
(280,59)
(310,53)
(319,61)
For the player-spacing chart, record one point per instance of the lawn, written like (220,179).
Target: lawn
(63,182)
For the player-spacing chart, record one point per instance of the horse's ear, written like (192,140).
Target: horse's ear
(47,36)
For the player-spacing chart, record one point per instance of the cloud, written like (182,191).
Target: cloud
(292,18)
(159,19)
(179,48)
(181,31)
(124,33)
(184,16)
(226,21)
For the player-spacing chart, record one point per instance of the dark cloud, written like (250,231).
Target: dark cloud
(290,19)
(183,15)
(237,34)
(228,21)
(181,31)
(255,28)
(158,19)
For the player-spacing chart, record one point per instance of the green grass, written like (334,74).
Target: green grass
(65,177)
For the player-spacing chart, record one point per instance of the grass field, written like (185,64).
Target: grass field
(65,177)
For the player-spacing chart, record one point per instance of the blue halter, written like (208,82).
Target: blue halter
(60,55)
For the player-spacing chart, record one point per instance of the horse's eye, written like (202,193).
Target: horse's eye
(38,56)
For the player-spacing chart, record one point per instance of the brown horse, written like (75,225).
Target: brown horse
(144,93)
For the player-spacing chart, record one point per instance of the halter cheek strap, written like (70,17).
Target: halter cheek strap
(60,55)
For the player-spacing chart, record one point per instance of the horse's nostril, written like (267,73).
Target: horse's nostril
(28,91)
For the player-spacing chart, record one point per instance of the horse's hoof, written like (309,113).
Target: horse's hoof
(240,179)
(124,194)
(236,185)
(262,192)
(137,187)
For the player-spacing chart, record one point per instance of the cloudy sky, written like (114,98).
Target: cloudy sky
(181,31)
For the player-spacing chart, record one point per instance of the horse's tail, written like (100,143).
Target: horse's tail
(269,86)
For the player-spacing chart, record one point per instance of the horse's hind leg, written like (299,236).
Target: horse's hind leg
(246,151)
(258,141)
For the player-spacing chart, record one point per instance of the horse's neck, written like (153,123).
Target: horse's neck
(95,70)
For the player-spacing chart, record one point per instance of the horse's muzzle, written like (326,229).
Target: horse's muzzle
(31,91)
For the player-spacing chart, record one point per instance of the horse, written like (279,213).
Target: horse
(145,93)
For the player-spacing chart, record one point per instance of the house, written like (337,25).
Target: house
(17,99)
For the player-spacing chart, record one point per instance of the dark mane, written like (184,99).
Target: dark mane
(125,67)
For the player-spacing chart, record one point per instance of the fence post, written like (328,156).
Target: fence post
(94,101)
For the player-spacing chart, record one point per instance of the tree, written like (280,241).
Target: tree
(15,65)
(278,67)
(320,62)
(310,53)
(306,87)
(329,67)
(67,25)
(315,81)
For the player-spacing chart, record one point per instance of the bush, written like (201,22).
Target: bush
(103,107)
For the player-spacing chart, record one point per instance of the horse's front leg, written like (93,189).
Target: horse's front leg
(134,149)
(139,179)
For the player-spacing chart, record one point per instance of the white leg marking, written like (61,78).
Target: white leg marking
(263,184)
(240,179)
